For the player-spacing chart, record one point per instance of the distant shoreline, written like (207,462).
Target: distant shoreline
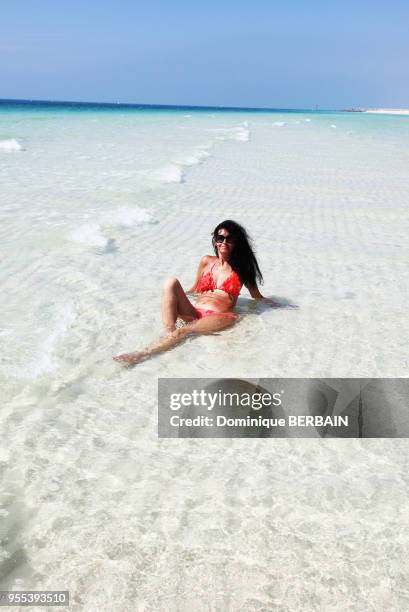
(379,111)
(388,111)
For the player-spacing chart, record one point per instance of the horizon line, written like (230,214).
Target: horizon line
(169,106)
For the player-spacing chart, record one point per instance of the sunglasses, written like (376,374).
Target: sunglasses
(220,239)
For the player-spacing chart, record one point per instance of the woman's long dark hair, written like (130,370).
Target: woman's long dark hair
(242,259)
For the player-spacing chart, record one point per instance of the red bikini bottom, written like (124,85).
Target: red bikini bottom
(202,312)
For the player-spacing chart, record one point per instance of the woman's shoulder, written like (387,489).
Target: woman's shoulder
(207,259)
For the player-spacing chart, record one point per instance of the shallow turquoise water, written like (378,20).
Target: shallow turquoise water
(98,207)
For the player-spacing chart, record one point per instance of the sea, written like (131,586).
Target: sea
(99,205)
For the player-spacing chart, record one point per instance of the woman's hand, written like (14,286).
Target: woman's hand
(256,295)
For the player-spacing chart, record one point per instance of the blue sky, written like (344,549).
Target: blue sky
(293,54)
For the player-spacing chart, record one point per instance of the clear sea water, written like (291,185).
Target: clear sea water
(99,204)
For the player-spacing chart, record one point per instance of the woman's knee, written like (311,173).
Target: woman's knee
(170,284)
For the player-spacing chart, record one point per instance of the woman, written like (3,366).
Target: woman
(219,280)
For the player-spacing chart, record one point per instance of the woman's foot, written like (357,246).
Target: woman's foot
(129,358)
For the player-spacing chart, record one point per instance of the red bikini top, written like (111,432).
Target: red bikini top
(231,285)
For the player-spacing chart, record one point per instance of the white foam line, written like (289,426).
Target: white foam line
(89,234)
(10,144)
(242,134)
(128,217)
(168,174)
(194,158)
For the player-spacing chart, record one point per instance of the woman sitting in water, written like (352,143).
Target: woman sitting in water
(219,281)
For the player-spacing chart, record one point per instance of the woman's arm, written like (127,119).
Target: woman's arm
(255,293)
(202,265)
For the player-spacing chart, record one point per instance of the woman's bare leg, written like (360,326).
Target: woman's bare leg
(175,303)
(207,325)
